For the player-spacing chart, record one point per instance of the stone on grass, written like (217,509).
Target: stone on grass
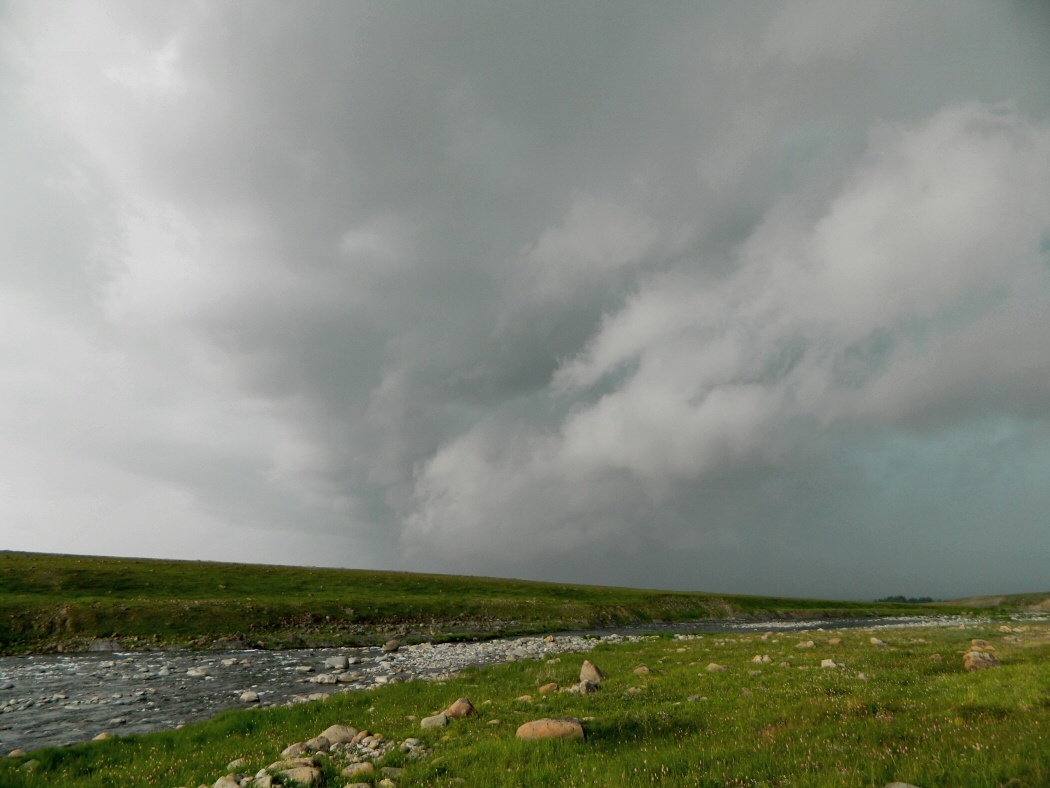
(546,688)
(460,709)
(805,644)
(981,644)
(979,660)
(714,666)
(551,728)
(295,750)
(642,670)
(227,781)
(304,775)
(592,673)
(104,735)
(337,734)
(876,642)
(236,765)
(900,785)
(829,663)
(319,744)
(834,641)
(359,769)
(435,721)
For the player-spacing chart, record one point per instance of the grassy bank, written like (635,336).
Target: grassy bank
(57,602)
(890,712)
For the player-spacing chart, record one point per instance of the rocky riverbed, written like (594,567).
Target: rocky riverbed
(57,700)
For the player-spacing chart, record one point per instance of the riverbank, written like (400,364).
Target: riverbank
(757,706)
(69,604)
(61,700)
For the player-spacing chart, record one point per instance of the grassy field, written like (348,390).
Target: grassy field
(56,602)
(891,712)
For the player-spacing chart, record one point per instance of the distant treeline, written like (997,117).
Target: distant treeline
(914,600)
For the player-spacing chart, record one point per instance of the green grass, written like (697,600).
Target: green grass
(57,602)
(913,719)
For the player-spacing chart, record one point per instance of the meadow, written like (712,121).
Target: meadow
(903,710)
(62,603)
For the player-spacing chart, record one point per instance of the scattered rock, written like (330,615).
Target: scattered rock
(436,721)
(337,734)
(642,670)
(16,753)
(390,771)
(104,736)
(249,697)
(324,678)
(319,744)
(548,688)
(834,641)
(337,663)
(805,644)
(460,709)
(524,698)
(304,775)
(359,769)
(295,750)
(935,658)
(552,728)
(979,660)
(714,666)
(227,781)
(391,646)
(876,642)
(829,663)
(981,644)
(236,764)
(591,673)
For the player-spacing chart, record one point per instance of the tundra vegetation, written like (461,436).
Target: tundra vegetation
(56,603)
(858,708)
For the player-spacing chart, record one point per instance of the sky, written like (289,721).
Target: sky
(720,296)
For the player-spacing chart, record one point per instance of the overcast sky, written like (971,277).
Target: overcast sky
(737,297)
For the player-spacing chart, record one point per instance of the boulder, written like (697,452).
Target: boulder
(435,721)
(249,697)
(227,781)
(295,750)
(337,663)
(391,646)
(337,734)
(460,709)
(303,775)
(981,644)
(319,744)
(979,660)
(359,769)
(552,728)
(592,673)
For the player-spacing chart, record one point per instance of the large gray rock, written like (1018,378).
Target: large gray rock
(337,663)
(436,721)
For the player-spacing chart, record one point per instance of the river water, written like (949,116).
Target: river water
(63,699)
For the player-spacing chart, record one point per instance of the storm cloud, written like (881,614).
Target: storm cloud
(732,297)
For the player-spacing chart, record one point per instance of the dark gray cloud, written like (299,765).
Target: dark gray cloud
(744,298)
